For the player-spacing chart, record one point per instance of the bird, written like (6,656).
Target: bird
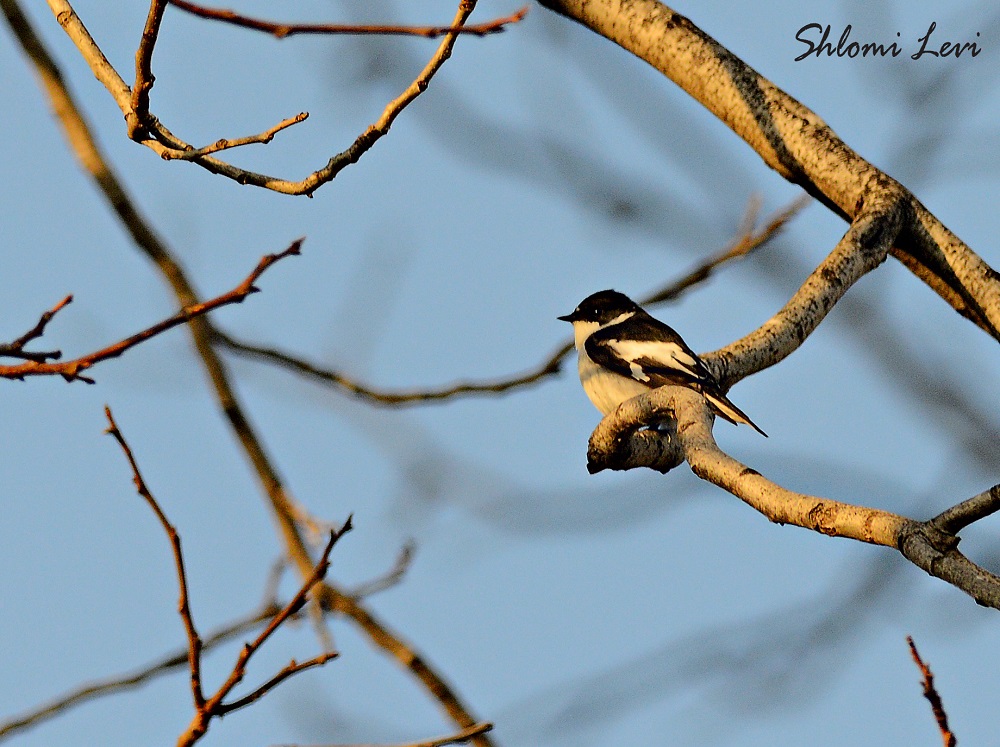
(623,352)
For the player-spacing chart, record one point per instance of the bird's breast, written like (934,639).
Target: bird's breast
(606,389)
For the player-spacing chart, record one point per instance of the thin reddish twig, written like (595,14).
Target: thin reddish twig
(183,606)
(72,370)
(282,30)
(16,349)
(937,706)
(212,707)
(215,706)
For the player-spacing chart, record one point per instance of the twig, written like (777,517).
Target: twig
(129,680)
(389,579)
(956,518)
(274,356)
(138,118)
(293,667)
(937,707)
(146,129)
(459,738)
(71,370)
(16,349)
(747,242)
(183,606)
(215,706)
(282,30)
(223,144)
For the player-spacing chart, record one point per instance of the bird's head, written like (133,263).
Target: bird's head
(601,308)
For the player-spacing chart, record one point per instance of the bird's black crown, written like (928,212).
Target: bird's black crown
(601,307)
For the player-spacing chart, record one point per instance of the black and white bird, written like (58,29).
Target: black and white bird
(624,352)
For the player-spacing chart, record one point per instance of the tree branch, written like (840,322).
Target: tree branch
(622,440)
(461,737)
(937,706)
(750,238)
(223,144)
(72,370)
(143,127)
(283,30)
(16,349)
(129,680)
(183,605)
(956,518)
(795,142)
(281,503)
(864,247)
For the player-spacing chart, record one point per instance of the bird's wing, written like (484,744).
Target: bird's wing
(649,351)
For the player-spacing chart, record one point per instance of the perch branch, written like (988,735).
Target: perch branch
(622,440)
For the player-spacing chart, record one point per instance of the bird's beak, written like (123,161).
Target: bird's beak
(567,318)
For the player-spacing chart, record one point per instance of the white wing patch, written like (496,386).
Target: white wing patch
(637,373)
(666,354)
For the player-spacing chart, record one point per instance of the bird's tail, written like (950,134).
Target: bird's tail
(721,404)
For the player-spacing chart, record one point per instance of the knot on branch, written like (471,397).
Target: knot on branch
(642,432)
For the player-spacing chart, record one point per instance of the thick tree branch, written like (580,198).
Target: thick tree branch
(794,141)
(624,440)
(864,247)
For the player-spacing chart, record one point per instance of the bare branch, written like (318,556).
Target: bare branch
(461,737)
(664,426)
(937,706)
(864,247)
(956,518)
(214,706)
(293,667)
(183,606)
(795,142)
(749,239)
(149,243)
(339,380)
(282,30)
(138,118)
(389,579)
(71,370)
(264,137)
(129,680)
(146,129)
(16,349)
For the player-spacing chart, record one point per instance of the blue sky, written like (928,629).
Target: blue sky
(541,165)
